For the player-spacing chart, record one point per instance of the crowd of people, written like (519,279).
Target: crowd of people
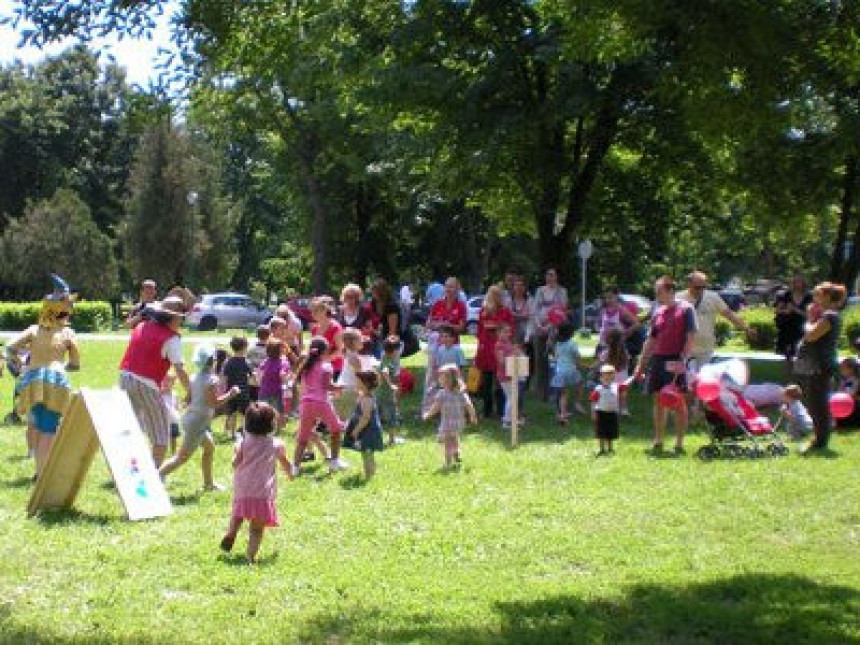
(342,387)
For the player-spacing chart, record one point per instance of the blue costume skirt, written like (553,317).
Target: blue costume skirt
(43,393)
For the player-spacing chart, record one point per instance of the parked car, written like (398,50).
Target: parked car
(592,310)
(734,298)
(225,311)
(473,310)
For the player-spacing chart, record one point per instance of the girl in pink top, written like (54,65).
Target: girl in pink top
(315,374)
(255,484)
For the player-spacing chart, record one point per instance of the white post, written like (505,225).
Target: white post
(515,403)
(584,268)
(586,248)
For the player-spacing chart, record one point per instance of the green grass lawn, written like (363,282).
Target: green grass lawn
(542,544)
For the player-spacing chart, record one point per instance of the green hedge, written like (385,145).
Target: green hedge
(760,319)
(88,316)
(850,326)
(722,330)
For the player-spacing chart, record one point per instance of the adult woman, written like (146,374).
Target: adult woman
(790,315)
(324,325)
(614,315)
(493,314)
(550,295)
(817,359)
(352,311)
(384,310)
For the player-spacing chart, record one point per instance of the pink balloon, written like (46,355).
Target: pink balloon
(707,389)
(841,405)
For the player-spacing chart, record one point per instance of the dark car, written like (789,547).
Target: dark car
(735,299)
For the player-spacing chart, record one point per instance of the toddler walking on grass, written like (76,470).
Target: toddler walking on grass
(454,407)
(255,482)
(364,431)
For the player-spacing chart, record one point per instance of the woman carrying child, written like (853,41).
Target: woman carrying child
(255,482)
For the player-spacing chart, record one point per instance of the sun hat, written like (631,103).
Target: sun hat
(607,369)
(171,305)
(203,353)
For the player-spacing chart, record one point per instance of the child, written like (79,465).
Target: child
(315,374)
(447,353)
(364,428)
(389,390)
(347,381)
(606,401)
(430,379)
(567,372)
(255,483)
(273,377)
(453,406)
(616,355)
(169,398)
(198,417)
(237,373)
(798,420)
(256,356)
(849,377)
(505,348)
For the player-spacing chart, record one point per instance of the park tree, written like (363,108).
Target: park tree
(57,235)
(178,226)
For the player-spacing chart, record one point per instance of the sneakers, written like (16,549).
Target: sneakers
(336,465)
(295,471)
(227,543)
(214,487)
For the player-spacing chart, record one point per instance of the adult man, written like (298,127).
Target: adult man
(148,292)
(449,310)
(155,345)
(708,305)
(673,330)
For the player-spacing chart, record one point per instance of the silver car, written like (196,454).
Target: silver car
(227,310)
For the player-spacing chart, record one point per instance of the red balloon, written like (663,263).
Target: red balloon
(407,381)
(670,396)
(841,405)
(556,315)
(707,389)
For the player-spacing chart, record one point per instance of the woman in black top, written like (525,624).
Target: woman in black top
(790,316)
(817,358)
(352,311)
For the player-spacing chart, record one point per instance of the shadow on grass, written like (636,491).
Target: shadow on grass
(353,481)
(239,560)
(754,608)
(12,459)
(185,499)
(58,517)
(20,482)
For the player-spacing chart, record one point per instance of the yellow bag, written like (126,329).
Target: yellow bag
(473,380)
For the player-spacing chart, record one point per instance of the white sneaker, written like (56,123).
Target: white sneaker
(295,471)
(335,465)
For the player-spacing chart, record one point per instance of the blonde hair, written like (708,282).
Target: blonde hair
(835,293)
(320,303)
(493,299)
(449,376)
(793,392)
(351,336)
(351,289)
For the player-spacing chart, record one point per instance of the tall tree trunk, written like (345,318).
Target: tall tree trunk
(849,195)
(363,213)
(319,223)
(837,260)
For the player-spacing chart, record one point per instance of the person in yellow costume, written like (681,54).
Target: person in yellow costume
(43,392)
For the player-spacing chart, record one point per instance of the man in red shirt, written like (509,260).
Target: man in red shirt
(450,310)
(673,328)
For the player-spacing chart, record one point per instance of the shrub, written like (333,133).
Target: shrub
(761,320)
(89,316)
(850,326)
(722,331)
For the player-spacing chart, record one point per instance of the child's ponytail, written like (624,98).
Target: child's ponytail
(316,350)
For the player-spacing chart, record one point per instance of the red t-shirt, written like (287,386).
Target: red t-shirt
(670,326)
(453,315)
(485,358)
(331,331)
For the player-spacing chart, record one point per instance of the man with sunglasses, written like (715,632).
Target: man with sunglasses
(707,305)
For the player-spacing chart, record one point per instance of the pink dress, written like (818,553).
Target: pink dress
(255,483)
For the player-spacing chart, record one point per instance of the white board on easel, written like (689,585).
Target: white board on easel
(101,418)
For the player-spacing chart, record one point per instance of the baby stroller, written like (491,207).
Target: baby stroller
(736,428)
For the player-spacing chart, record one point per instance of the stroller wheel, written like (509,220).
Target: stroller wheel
(706,453)
(777,450)
(755,452)
(732,451)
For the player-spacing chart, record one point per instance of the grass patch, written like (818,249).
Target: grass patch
(542,544)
